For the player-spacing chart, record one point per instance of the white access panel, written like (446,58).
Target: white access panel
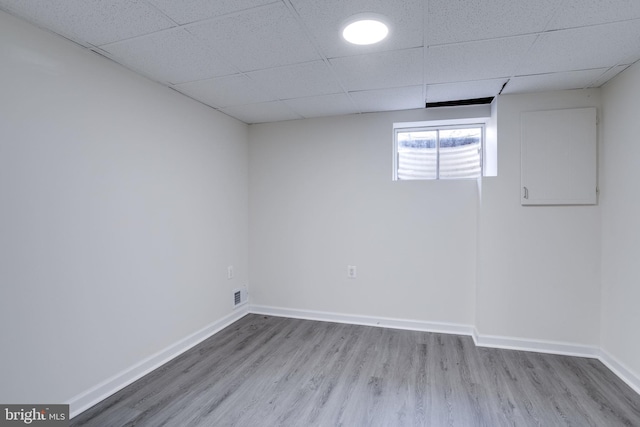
(559,157)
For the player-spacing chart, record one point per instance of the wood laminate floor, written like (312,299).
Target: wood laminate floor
(272,371)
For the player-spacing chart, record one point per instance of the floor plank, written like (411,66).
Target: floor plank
(272,371)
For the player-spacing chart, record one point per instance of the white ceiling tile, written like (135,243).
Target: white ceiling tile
(481,60)
(260,38)
(323,105)
(186,11)
(173,56)
(577,13)
(297,81)
(274,111)
(609,74)
(226,91)
(92,21)
(401,98)
(464,90)
(456,21)
(380,70)
(553,81)
(243,55)
(584,48)
(325,20)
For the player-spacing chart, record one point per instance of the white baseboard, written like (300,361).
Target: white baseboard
(87,399)
(538,346)
(94,395)
(623,372)
(491,341)
(382,322)
(550,347)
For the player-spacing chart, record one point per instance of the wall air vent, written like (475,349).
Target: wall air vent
(240,297)
(461,102)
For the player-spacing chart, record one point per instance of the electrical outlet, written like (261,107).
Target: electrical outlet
(230,272)
(351,272)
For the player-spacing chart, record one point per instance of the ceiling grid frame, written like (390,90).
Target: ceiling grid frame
(350,80)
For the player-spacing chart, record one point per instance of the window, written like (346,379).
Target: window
(438,152)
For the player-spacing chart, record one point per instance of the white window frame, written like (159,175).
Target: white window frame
(436,126)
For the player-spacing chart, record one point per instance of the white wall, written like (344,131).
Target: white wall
(122,203)
(539,266)
(620,219)
(322,197)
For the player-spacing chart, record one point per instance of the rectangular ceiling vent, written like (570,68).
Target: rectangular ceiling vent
(461,102)
(240,297)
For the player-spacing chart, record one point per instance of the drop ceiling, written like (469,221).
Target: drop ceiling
(265,60)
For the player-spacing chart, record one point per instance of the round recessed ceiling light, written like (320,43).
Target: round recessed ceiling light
(365,30)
